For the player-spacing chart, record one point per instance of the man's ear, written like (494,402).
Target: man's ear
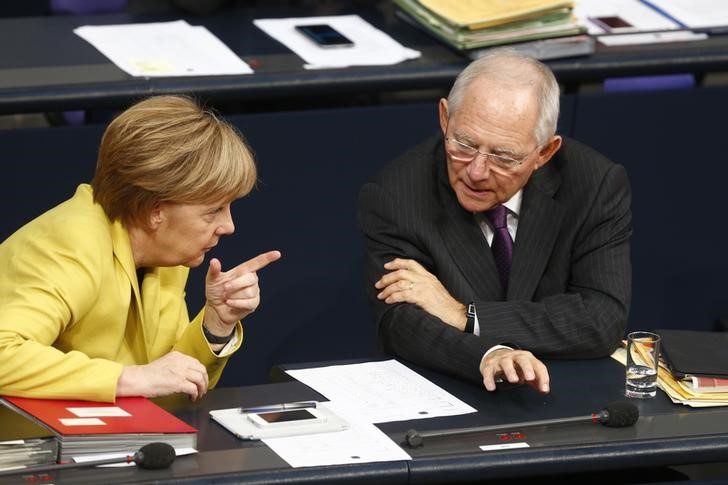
(548,150)
(443,115)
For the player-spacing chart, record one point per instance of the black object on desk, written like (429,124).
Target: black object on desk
(695,353)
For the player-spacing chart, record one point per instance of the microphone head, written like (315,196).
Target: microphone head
(619,414)
(155,456)
(413,438)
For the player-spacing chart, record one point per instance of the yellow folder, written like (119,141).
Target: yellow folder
(478,14)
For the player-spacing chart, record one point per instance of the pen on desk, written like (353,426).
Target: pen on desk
(271,408)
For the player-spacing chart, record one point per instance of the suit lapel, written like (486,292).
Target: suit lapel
(466,243)
(538,226)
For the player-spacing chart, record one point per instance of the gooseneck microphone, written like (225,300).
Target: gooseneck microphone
(152,456)
(619,414)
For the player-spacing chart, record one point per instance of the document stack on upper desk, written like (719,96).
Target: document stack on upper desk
(545,29)
(694,367)
(86,428)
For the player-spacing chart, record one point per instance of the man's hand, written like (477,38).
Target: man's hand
(407,281)
(516,367)
(172,373)
(234,294)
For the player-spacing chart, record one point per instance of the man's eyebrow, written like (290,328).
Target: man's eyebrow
(463,137)
(508,152)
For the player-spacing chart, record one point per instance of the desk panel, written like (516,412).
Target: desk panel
(45,67)
(665,434)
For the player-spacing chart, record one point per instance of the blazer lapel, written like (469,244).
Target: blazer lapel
(123,253)
(466,243)
(538,226)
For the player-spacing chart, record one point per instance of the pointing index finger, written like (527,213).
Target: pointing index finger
(259,262)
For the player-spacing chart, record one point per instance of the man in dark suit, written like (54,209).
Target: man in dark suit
(455,289)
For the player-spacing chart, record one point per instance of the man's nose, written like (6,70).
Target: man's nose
(479,168)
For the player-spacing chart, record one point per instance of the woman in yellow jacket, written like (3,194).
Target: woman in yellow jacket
(92,291)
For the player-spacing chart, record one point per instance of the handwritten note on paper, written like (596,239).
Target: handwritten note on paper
(164,49)
(380,392)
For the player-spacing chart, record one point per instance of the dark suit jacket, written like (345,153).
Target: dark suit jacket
(570,281)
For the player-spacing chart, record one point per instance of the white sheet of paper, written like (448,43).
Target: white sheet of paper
(651,38)
(99,412)
(639,15)
(164,49)
(81,422)
(378,392)
(371,47)
(361,443)
(695,14)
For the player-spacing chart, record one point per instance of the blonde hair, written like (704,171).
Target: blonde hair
(169,149)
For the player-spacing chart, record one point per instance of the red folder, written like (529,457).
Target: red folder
(86,427)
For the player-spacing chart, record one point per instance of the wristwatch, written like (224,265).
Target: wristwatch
(470,322)
(215,339)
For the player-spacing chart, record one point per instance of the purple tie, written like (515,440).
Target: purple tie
(502,245)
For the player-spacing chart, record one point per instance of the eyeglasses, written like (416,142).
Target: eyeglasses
(461,152)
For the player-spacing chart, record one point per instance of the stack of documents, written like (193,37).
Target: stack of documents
(24,443)
(691,390)
(694,388)
(87,428)
(468,25)
(694,366)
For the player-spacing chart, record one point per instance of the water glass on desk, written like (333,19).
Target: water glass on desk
(643,352)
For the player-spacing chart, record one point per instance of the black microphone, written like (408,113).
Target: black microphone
(152,456)
(619,414)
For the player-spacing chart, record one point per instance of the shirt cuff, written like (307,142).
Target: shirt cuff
(230,346)
(493,348)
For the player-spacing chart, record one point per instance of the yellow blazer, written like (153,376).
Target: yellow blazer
(72,313)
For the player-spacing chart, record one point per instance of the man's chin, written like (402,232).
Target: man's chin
(477,204)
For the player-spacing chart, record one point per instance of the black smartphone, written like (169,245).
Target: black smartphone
(324,35)
(290,416)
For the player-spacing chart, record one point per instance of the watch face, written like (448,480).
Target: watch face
(471,310)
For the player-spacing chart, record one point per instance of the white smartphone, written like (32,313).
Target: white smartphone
(287,417)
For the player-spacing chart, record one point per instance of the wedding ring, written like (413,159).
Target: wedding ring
(411,285)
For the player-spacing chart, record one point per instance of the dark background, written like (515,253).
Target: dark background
(313,162)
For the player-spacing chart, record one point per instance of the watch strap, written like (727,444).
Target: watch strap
(216,339)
